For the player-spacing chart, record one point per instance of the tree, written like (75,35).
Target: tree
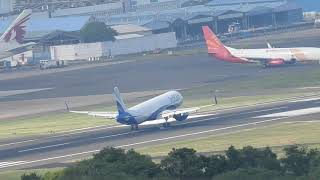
(249,157)
(298,161)
(183,163)
(112,163)
(97,32)
(215,164)
(234,158)
(259,158)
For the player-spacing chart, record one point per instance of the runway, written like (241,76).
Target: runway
(56,150)
(45,93)
(157,73)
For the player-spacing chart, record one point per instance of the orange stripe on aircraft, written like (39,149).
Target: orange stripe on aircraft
(299,55)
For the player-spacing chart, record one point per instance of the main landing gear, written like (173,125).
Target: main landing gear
(166,124)
(134,127)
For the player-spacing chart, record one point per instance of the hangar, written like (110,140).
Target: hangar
(247,16)
(219,15)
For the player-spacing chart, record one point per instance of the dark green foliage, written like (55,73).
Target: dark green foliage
(32,176)
(250,157)
(183,164)
(314,174)
(110,163)
(252,174)
(260,158)
(97,32)
(234,158)
(299,161)
(247,163)
(215,164)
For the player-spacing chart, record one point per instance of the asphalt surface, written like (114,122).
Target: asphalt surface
(58,149)
(46,92)
(160,73)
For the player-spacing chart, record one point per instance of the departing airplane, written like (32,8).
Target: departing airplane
(160,107)
(267,57)
(11,41)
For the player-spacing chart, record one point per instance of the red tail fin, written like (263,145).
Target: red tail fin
(217,49)
(214,45)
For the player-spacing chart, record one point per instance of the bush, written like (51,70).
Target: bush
(32,176)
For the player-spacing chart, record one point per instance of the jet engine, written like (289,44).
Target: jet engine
(276,62)
(181,117)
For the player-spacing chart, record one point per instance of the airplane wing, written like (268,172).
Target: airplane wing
(22,48)
(108,115)
(17,50)
(171,113)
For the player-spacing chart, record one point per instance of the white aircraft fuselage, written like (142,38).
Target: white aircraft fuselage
(151,109)
(287,54)
(268,57)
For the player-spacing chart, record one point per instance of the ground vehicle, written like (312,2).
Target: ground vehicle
(48,64)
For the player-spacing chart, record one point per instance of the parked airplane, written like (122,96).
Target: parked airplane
(162,106)
(267,57)
(11,41)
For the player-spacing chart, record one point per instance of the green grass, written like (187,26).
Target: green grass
(16,175)
(48,124)
(277,136)
(264,89)
(278,81)
(58,123)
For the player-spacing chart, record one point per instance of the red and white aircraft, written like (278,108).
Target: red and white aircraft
(268,57)
(11,41)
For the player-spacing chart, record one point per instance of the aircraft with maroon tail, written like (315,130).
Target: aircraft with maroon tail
(269,57)
(11,41)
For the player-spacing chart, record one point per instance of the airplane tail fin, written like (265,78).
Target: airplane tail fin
(120,104)
(16,31)
(214,45)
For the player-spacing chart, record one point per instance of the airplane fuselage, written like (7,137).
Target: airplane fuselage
(286,54)
(267,57)
(151,109)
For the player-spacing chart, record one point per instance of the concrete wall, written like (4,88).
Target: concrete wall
(76,52)
(120,47)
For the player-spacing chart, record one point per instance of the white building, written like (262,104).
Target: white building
(7,6)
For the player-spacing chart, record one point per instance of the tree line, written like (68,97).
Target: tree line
(248,163)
